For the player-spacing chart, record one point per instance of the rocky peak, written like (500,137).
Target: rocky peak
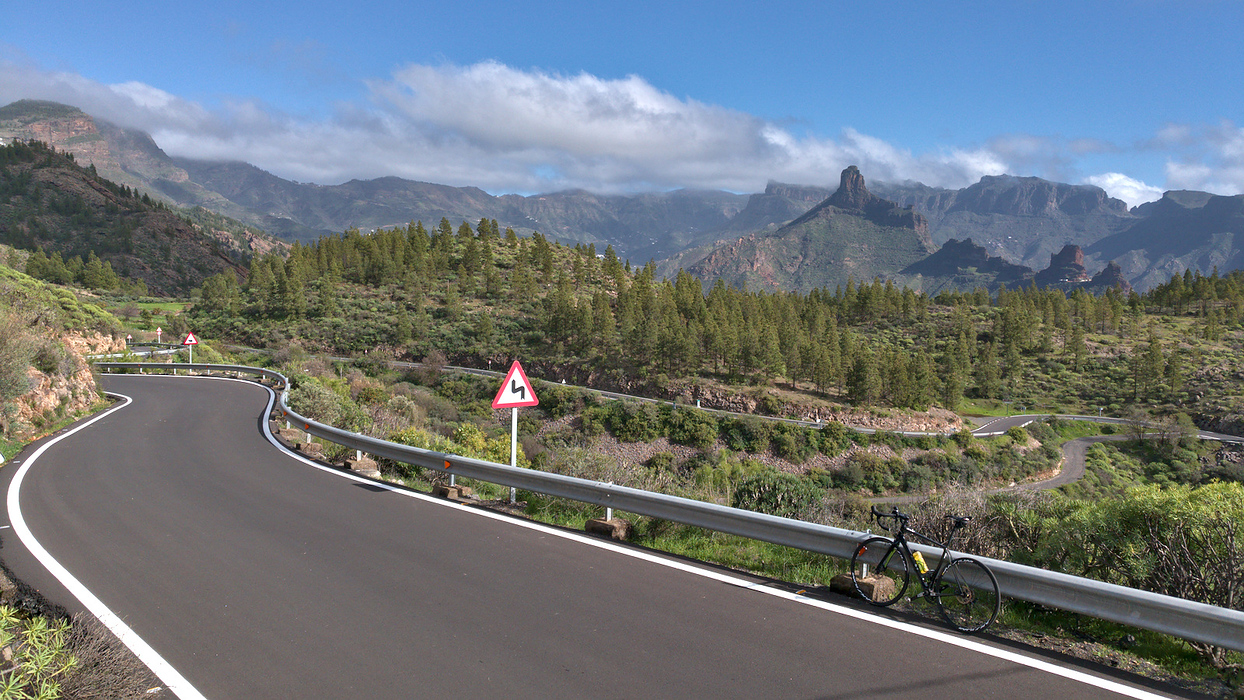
(1112,276)
(852,193)
(1067,265)
(854,199)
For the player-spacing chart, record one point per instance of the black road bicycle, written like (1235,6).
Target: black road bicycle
(964,589)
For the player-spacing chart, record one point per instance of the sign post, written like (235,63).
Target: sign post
(515,392)
(190,342)
(159,331)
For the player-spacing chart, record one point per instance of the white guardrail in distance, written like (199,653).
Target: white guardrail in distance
(1186,619)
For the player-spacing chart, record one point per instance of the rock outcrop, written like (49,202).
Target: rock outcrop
(853,234)
(1111,276)
(853,198)
(957,258)
(70,388)
(1066,267)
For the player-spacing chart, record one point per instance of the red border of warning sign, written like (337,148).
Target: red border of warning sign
(516,369)
(190,340)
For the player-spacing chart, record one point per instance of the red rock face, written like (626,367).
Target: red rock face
(852,193)
(1067,265)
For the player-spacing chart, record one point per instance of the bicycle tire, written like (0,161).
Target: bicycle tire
(966,593)
(884,562)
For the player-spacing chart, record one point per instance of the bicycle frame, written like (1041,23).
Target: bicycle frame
(902,546)
(964,589)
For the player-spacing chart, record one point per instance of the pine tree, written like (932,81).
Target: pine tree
(988,374)
(864,384)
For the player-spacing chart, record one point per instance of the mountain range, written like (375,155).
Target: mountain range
(1024,221)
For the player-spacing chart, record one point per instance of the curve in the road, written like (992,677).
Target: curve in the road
(149,656)
(259,578)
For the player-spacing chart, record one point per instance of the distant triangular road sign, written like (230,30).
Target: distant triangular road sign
(516,390)
(190,340)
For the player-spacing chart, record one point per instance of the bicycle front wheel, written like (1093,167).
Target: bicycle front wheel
(879,571)
(967,594)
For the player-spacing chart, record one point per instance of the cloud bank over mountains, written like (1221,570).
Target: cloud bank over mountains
(509,130)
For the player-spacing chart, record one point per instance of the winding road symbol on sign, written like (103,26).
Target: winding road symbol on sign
(516,390)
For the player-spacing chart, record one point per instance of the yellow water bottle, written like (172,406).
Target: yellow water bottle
(920,565)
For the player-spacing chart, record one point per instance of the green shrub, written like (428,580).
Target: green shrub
(747,434)
(471,438)
(36,655)
(963,438)
(833,438)
(557,400)
(50,358)
(849,477)
(693,427)
(635,421)
(776,493)
(771,405)
(661,461)
(372,395)
(722,472)
(876,475)
(793,443)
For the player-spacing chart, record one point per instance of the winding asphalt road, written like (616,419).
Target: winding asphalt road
(255,574)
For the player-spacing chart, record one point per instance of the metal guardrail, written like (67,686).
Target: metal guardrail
(1186,619)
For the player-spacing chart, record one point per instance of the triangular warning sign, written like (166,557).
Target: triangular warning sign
(516,390)
(190,340)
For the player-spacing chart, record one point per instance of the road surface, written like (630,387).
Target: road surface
(254,574)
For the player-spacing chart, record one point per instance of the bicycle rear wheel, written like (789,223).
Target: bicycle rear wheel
(966,592)
(879,571)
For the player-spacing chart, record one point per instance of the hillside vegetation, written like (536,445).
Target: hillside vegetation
(43,330)
(119,239)
(483,298)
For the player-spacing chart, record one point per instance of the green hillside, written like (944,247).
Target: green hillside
(101,234)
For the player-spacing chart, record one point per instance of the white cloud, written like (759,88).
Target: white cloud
(1130,190)
(505,130)
(511,130)
(1211,159)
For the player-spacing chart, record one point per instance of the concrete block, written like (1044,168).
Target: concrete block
(453,493)
(615,529)
(290,435)
(874,586)
(310,448)
(365,466)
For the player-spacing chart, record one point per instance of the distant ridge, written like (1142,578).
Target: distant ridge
(853,234)
(1022,220)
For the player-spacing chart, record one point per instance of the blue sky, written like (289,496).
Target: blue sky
(1138,96)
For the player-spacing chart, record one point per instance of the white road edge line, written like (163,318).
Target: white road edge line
(163,670)
(592,541)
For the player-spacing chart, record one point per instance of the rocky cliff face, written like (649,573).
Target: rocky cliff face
(1066,266)
(1021,219)
(853,198)
(966,265)
(1110,276)
(1032,196)
(67,129)
(70,388)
